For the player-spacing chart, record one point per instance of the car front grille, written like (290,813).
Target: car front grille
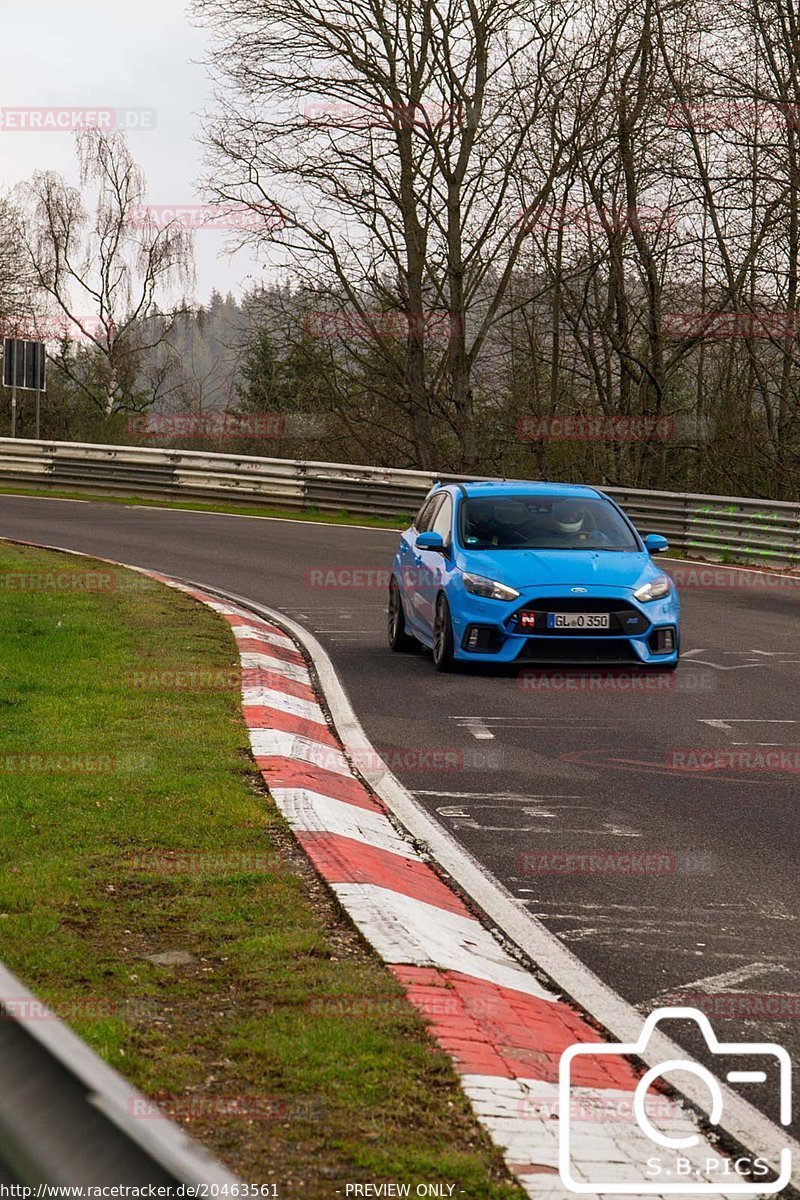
(626,620)
(577,650)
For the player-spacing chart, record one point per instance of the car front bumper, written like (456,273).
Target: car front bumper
(640,634)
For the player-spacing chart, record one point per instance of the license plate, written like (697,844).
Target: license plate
(578,621)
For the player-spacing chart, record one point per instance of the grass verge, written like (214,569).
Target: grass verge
(136,825)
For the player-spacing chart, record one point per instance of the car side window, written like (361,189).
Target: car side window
(443,521)
(424,518)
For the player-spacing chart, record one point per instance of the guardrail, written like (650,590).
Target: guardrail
(727,527)
(67,1118)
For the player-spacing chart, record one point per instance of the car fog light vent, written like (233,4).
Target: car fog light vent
(662,641)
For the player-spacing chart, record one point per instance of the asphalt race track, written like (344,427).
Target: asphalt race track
(528,769)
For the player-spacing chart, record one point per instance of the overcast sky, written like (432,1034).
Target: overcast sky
(102,54)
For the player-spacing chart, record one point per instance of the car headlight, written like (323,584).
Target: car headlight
(656,589)
(489,589)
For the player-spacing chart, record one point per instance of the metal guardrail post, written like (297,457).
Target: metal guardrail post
(66,1117)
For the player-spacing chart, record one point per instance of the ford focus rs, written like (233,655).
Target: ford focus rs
(531,573)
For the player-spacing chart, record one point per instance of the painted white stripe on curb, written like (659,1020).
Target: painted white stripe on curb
(308,709)
(275,666)
(267,743)
(405,930)
(250,633)
(524,1117)
(311,812)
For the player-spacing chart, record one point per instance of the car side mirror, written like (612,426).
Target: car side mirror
(654,543)
(430,541)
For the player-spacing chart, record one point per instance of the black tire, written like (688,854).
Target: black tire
(399,640)
(443,644)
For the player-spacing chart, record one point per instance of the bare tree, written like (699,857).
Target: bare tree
(393,141)
(17,281)
(104,271)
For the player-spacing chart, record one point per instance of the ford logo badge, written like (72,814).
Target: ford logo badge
(579,591)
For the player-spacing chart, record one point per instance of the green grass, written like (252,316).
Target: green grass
(342,517)
(82,906)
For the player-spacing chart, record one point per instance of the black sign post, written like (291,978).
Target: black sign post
(24,367)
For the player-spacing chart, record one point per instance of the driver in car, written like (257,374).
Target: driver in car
(572,527)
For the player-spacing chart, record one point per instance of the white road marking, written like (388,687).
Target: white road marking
(481,727)
(727,726)
(761,662)
(476,726)
(726,979)
(347,632)
(541,807)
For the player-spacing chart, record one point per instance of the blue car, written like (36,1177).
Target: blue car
(531,573)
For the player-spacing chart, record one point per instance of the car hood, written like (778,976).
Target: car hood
(561,568)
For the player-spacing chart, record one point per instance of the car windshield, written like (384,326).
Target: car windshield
(526,522)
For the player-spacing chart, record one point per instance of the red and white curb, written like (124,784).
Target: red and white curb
(504,1030)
